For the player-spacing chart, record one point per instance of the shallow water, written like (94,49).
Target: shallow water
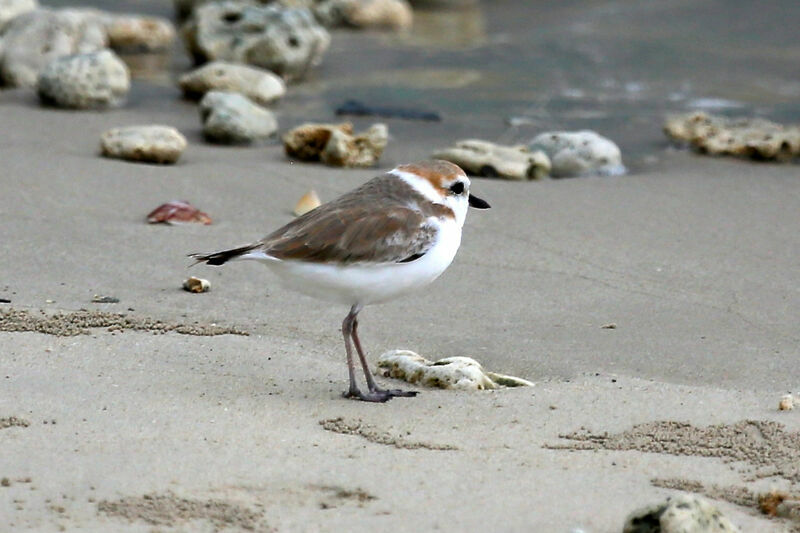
(506,70)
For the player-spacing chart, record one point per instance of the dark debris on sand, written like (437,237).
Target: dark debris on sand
(79,323)
(376,436)
(764,445)
(13,421)
(170,510)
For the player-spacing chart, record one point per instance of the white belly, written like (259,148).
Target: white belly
(365,284)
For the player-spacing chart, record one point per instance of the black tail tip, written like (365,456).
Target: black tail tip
(220,258)
(209,259)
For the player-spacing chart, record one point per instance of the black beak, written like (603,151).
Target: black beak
(477,203)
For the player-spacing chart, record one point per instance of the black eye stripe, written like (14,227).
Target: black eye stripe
(457,187)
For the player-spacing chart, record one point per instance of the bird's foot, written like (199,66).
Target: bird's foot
(396,392)
(378,395)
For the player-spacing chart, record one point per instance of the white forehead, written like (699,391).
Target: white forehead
(431,187)
(419,184)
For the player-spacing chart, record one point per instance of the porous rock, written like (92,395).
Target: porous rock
(84,81)
(261,86)
(462,373)
(442,4)
(579,153)
(336,145)
(33,39)
(135,33)
(184,8)
(13,8)
(743,137)
(148,144)
(684,513)
(287,41)
(232,118)
(484,158)
(391,14)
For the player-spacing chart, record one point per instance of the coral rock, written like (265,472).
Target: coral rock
(232,118)
(579,153)
(178,212)
(284,40)
(13,8)
(84,81)
(261,86)
(336,145)
(683,513)
(392,14)
(753,138)
(139,34)
(149,144)
(449,373)
(442,4)
(32,40)
(483,158)
(184,8)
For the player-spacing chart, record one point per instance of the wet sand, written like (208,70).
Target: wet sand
(142,428)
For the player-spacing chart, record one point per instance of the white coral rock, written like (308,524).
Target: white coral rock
(463,373)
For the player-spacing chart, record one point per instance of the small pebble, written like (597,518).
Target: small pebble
(260,85)
(95,80)
(104,299)
(232,118)
(196,285)
(579,153)
(135,33)
(149,144)
(786,403)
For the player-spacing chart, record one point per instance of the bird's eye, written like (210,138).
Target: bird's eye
(457,187)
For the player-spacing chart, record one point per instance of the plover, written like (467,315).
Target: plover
(394,234)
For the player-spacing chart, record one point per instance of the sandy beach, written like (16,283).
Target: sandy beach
(656,312)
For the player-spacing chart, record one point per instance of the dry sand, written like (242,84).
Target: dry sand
(115,428)
(694,261)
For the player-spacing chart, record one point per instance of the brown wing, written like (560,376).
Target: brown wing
(371,224)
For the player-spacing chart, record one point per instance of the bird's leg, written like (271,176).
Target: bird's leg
(367,374)
(347,330)
(348,327)
(373,387)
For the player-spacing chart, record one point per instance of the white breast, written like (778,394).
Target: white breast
(366,284)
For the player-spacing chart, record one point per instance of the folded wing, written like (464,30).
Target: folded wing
(354,234)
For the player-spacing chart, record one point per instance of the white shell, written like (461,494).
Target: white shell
(307,202)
